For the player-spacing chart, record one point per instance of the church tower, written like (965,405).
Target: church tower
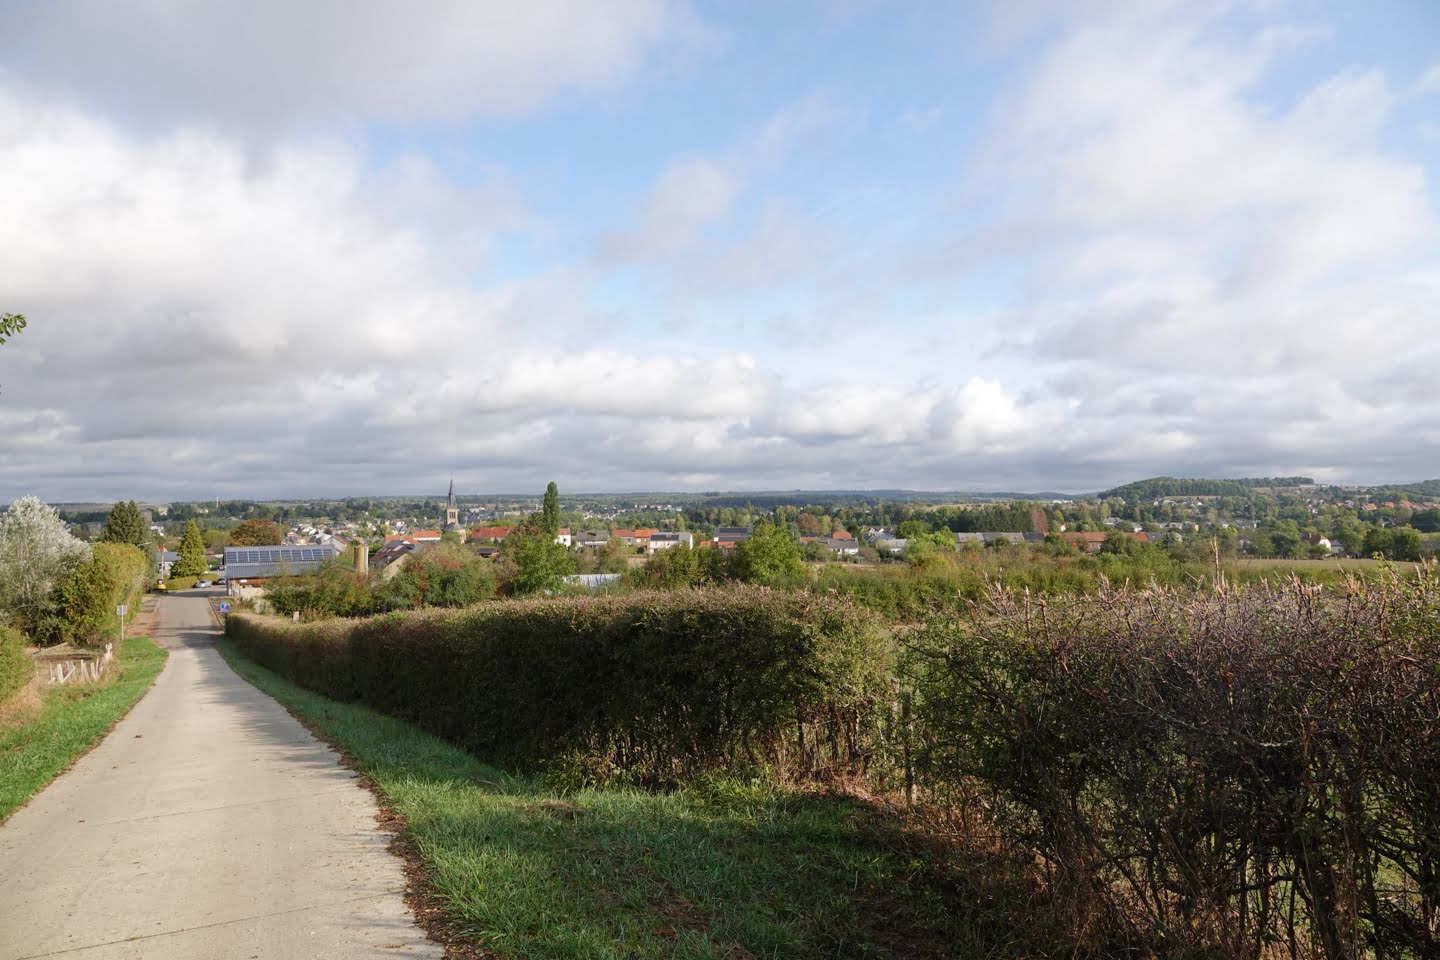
(452,509)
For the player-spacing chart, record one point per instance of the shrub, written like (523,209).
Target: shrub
(90,592)
(1237,773)
(16,667)
(653,686)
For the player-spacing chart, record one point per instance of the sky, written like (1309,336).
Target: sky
(356,247)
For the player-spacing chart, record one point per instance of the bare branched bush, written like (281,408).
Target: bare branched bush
(1237,773)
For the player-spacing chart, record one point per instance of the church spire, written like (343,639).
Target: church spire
(452,509)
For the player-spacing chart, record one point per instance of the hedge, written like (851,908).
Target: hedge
(16,667)
(1238,773)
(114,574)
(655,687)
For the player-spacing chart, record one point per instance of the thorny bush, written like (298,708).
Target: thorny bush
(1232,773)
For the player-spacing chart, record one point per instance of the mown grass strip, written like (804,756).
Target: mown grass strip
(70,722)
(718,870)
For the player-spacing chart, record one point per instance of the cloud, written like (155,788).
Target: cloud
(1178,264)
(688,197)
(268,63)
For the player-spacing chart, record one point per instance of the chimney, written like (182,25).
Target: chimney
(362,557)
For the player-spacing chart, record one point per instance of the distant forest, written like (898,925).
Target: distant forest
(1182,487)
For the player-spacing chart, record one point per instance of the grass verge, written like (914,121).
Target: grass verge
(70,721)
(718,870)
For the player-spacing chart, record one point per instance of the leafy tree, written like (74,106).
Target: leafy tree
(771,556)
(928,549)
(673,569)
(550,510)
(1405,544)
(11,324)
(36,551)
(192,562)
(88,595)
(256,533)
(442,576)
(126,524)
(1426,521)
(532,560)
(913,529)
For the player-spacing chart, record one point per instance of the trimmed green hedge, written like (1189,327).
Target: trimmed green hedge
(654,687)
(16,667)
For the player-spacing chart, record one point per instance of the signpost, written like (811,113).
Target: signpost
(224,607)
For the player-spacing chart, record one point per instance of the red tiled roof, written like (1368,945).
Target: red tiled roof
(490,533)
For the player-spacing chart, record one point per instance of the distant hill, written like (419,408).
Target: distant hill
(1188,487)
(1421,489)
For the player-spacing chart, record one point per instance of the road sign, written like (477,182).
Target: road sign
(121,610)
(224,608)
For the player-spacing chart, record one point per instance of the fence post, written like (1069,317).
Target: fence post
(905,747)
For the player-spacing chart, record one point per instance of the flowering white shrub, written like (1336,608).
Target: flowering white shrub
(35,552)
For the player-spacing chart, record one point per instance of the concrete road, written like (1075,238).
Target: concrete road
(209,824)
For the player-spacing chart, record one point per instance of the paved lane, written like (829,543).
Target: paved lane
(209,824)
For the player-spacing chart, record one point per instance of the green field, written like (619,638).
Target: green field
(718,870)
(71,720)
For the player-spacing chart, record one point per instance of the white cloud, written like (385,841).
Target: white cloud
(688,197)
(264,63)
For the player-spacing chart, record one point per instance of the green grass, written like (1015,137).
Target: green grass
(71,721)
(719,870)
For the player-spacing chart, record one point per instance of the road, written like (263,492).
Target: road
(208,824)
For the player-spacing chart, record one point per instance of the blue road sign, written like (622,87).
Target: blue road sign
(224,608)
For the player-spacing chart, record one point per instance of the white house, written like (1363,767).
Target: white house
(666,539)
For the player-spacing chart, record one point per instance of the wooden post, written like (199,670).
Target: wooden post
(905,747)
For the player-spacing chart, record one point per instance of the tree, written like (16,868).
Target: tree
(11,324)
(1405,544)
(256,533)
(533,561)
(126,524)
(550,511)
(36,551)
(927,549)
(771,556)
(192,562)
(89,593)
(913,529)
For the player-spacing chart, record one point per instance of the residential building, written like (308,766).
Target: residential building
(663,540)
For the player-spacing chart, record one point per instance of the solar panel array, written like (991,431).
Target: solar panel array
(278,554)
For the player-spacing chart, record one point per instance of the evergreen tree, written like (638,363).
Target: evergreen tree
(126,524)
(550,512)
(192,562)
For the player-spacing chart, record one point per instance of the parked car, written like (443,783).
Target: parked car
(202,583)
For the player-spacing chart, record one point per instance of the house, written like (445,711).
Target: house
(248,569)
(874,535)
(731,534)
(592,539)
(492,534)
(893,545)
(665,540)
(393,556)
(419,536)
(563,537)
(846,547)
(842,535)
(633,538)
(165,560)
